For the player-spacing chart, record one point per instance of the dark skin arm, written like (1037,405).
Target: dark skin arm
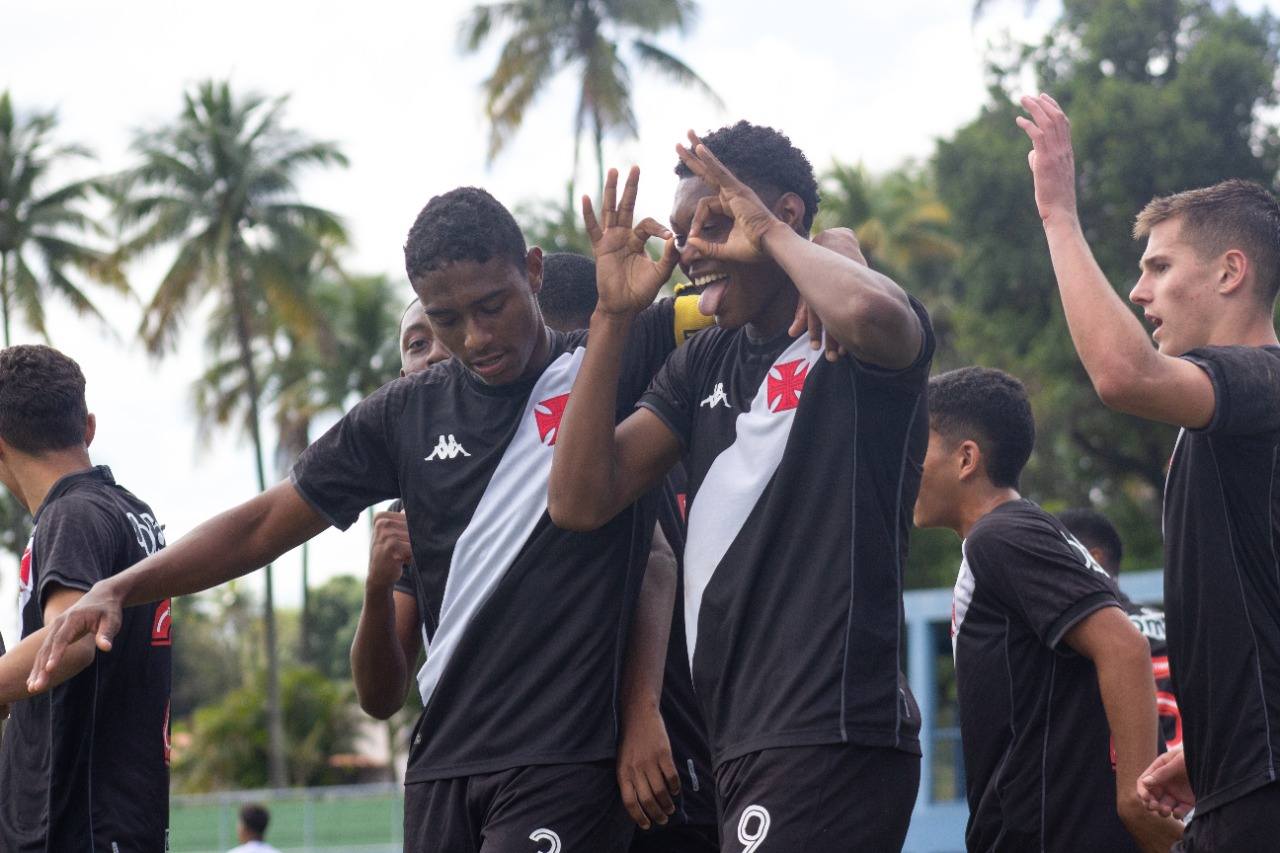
(1122,659)
(594,474)
(388,639)
(227,546)
(647,776)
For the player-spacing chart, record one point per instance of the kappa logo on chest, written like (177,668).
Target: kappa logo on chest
(547,414)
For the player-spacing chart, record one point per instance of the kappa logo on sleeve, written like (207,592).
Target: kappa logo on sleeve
(162,624)
(785,382)
(547,415)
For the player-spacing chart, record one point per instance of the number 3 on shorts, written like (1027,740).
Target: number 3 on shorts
(541,835)
(753,827)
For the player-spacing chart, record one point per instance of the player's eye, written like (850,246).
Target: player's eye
(444,321)
(492,308)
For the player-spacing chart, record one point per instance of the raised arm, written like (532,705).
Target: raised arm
(388,635)
(227,546)
(1129,374)
(866,312)
(596,471)
(1122,659)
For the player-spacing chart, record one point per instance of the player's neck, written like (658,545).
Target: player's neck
(977,505)
(1255,331)
(776,315)
(35,476)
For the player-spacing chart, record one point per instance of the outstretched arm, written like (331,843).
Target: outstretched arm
(597,472)
(227,546)
(1126,370)
(15,664)
(388,636)
(866,312)
(1122,659)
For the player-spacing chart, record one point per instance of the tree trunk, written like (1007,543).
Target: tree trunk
(599,160)
(276,772)
(305,627)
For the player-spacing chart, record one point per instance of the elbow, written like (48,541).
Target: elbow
(379,707)
(577,516)
(1113,387)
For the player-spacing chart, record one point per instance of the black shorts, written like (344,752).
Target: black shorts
(1249,824)
(557,808)
(815,799)
(676,838)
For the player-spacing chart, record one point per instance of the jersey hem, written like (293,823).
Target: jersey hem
(1235,791)
(497,765)
(817,737)
(314,504)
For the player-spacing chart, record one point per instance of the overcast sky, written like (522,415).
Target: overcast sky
(861,81)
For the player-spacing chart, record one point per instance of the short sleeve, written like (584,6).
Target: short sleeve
(918,370)
(1246,388)
(77,543)
(670,395)
(1037,572)
(652,338)
(353,465)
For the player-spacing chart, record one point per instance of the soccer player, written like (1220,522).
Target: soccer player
(1096,532)
(568,298)
(1210,273)
(419,348)
(793,604)
(1052,678)
(251,829)
(84,764)
(514,749)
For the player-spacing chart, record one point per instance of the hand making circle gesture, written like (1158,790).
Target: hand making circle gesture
(627,278)
(751,218)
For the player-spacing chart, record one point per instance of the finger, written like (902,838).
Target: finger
(1031,129)
(107,628)
(696,248)
(661,795)
(717,172)
(589,221)
(629,799)
(668,766)
(670,257)
(651,793)
(1032,106)
(609,204)
(707,205)
(815,330)
(801,320)
(627,207)
(650,227)
(692,162)
(835,350)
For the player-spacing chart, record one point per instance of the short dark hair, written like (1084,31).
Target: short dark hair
(255,818)
(764,159)
(568,295)
(1228,215)
(42,404)
(990,407)
(466,224)
(1095,530)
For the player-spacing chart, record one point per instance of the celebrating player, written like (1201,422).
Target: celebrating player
(813,730)
(84,764)
(1045,658)
(1210,273)
(516,742)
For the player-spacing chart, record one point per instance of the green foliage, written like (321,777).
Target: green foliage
(214,635)
(335,613)
(15,524)
(42,229)
(1163,96)
(228,740)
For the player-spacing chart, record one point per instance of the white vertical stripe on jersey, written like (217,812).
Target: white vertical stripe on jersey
(733,485)
(961,596)
(513,502)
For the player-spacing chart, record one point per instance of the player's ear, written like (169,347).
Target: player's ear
(968,459)
(790,209)
(533,269)
(1233,267)
(90,429)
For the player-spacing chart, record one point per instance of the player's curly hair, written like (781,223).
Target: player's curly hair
(765,160)
(989,407)
(1095,530)
(42,405)
(465,224)
(568,294)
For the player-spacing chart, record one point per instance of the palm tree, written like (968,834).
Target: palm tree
(41,230)
(589,37)
(903,228)
(218,184)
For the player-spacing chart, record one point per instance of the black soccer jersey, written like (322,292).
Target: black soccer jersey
(527,621)
(1037,746)
(1150,623)
(802,477)
(1222,577)
(85,766)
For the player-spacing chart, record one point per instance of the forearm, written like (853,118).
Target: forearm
(865,311)
(1129,699)
(647,648)
(227,546)
(378,665)
(1112,344)
(583,489)
(15,666)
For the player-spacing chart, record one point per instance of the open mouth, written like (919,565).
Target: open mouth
(709,288)
(487,366)
(700,283)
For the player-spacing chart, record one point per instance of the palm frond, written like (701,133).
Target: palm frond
(675,68)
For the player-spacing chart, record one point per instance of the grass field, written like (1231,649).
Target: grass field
(365,819)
